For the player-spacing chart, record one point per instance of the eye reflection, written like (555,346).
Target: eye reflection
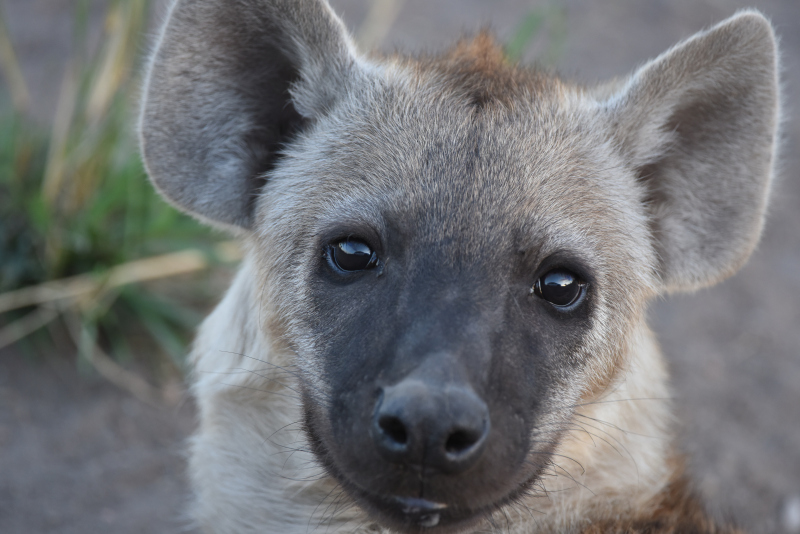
(559,287)
(352,254)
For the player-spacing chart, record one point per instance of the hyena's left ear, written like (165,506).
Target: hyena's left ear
(229,83)
(699,124)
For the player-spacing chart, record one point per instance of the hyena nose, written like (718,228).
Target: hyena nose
(427,427)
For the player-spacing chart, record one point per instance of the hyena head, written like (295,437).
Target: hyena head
(455,251)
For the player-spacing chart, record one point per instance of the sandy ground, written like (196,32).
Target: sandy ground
(77,455)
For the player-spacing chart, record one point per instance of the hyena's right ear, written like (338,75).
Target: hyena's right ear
(230,81)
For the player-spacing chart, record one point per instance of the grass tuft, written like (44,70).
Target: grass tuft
(76,200)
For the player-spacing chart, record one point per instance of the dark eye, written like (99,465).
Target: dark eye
(352,255)
(559,287)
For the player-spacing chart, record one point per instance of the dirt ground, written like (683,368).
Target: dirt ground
(79,456)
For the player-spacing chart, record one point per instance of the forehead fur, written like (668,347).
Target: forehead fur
(480,71)
(469,149)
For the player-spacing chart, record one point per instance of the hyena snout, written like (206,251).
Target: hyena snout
(430,427)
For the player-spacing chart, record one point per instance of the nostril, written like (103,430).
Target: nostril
(394,429)
(461,441)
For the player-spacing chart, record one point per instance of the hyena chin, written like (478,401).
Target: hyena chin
(439,323)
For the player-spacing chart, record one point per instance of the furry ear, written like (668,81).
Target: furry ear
(230,81)
(699,124)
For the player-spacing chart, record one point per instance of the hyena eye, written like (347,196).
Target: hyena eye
(559,287)
(352,255)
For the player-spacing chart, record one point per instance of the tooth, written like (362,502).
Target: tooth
(428,520)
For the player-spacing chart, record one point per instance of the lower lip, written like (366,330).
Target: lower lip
(423,513)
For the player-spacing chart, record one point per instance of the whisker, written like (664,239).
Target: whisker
(293,397)
(270,379)
(623,400)
(615,427)
(321,502)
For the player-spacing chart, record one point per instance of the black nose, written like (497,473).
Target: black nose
(428,427)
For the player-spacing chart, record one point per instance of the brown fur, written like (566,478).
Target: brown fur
(676,510)
(479,68)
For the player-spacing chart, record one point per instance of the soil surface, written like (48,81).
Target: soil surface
(78,455)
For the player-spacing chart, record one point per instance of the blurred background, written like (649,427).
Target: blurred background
(102,283)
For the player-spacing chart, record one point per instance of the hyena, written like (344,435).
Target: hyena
(439,322)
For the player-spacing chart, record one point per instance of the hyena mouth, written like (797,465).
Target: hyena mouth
(421,512)
(421,500)
(413,514)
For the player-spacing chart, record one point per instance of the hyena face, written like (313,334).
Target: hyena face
(454,253)
(449,300)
